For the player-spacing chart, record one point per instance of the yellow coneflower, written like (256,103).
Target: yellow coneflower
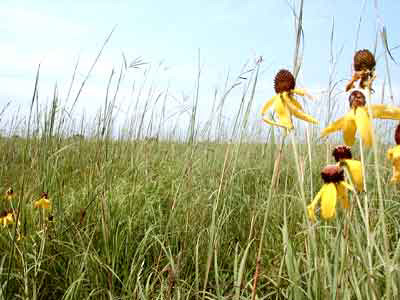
(10,194)
(364,69)
(6,217)
(333,189)
(43,202)
(343,157)
(284,103)
(359,119)
(393,155)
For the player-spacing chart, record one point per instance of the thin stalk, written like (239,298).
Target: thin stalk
(382,222)
(266,213)
(213,221)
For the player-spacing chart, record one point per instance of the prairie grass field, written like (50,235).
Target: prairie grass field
(203,209)
(165,220)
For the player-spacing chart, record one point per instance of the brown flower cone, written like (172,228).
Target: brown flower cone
(364,60)
(284,81)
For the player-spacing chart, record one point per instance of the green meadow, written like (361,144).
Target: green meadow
(165,220)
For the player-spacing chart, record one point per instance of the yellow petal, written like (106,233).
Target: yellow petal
(396,166)
(313,204)
(335,126)
(394,153)
(347,185)
(328,201)
(364,125)
(299,92)
(301,115)
(311,212)
(342,195)
(349,129)
(355,169)
(396,174)
(346,124)
(42,203)
(394,156)
(268,104)
(382,111)
(9,218)
(273,123)
(287,98)
(283,113)
(390,153)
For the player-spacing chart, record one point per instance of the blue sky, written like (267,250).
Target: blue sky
(228,33)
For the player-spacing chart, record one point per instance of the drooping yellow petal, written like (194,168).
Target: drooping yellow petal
(346,124)
(313,204)
(347,185)
(42,203)
(287,98)
(364,125)
(10,218)
(390,153)
(7,219)
(335,126)
(268,104)
(342,195)
(355,170)
(299,92)
(349,129)
(300,114)
(328,201)
(382,111)
(396,174)
(273,123)
(394,156)
(394,153)
(283,113)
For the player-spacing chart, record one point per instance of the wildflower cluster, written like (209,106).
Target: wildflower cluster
(358,118)
(9,214)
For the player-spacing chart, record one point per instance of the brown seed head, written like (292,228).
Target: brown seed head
(342,152)
(364,60)
(332,173)
(397,135)
(357,99)
(284,81)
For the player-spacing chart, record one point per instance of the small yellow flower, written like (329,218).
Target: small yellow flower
(43,202)
(359,119)
(6,217)
(333,189)
(9,195)
(343,156)
(393,155)
(284,103)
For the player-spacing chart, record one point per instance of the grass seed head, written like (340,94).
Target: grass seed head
(284,81)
